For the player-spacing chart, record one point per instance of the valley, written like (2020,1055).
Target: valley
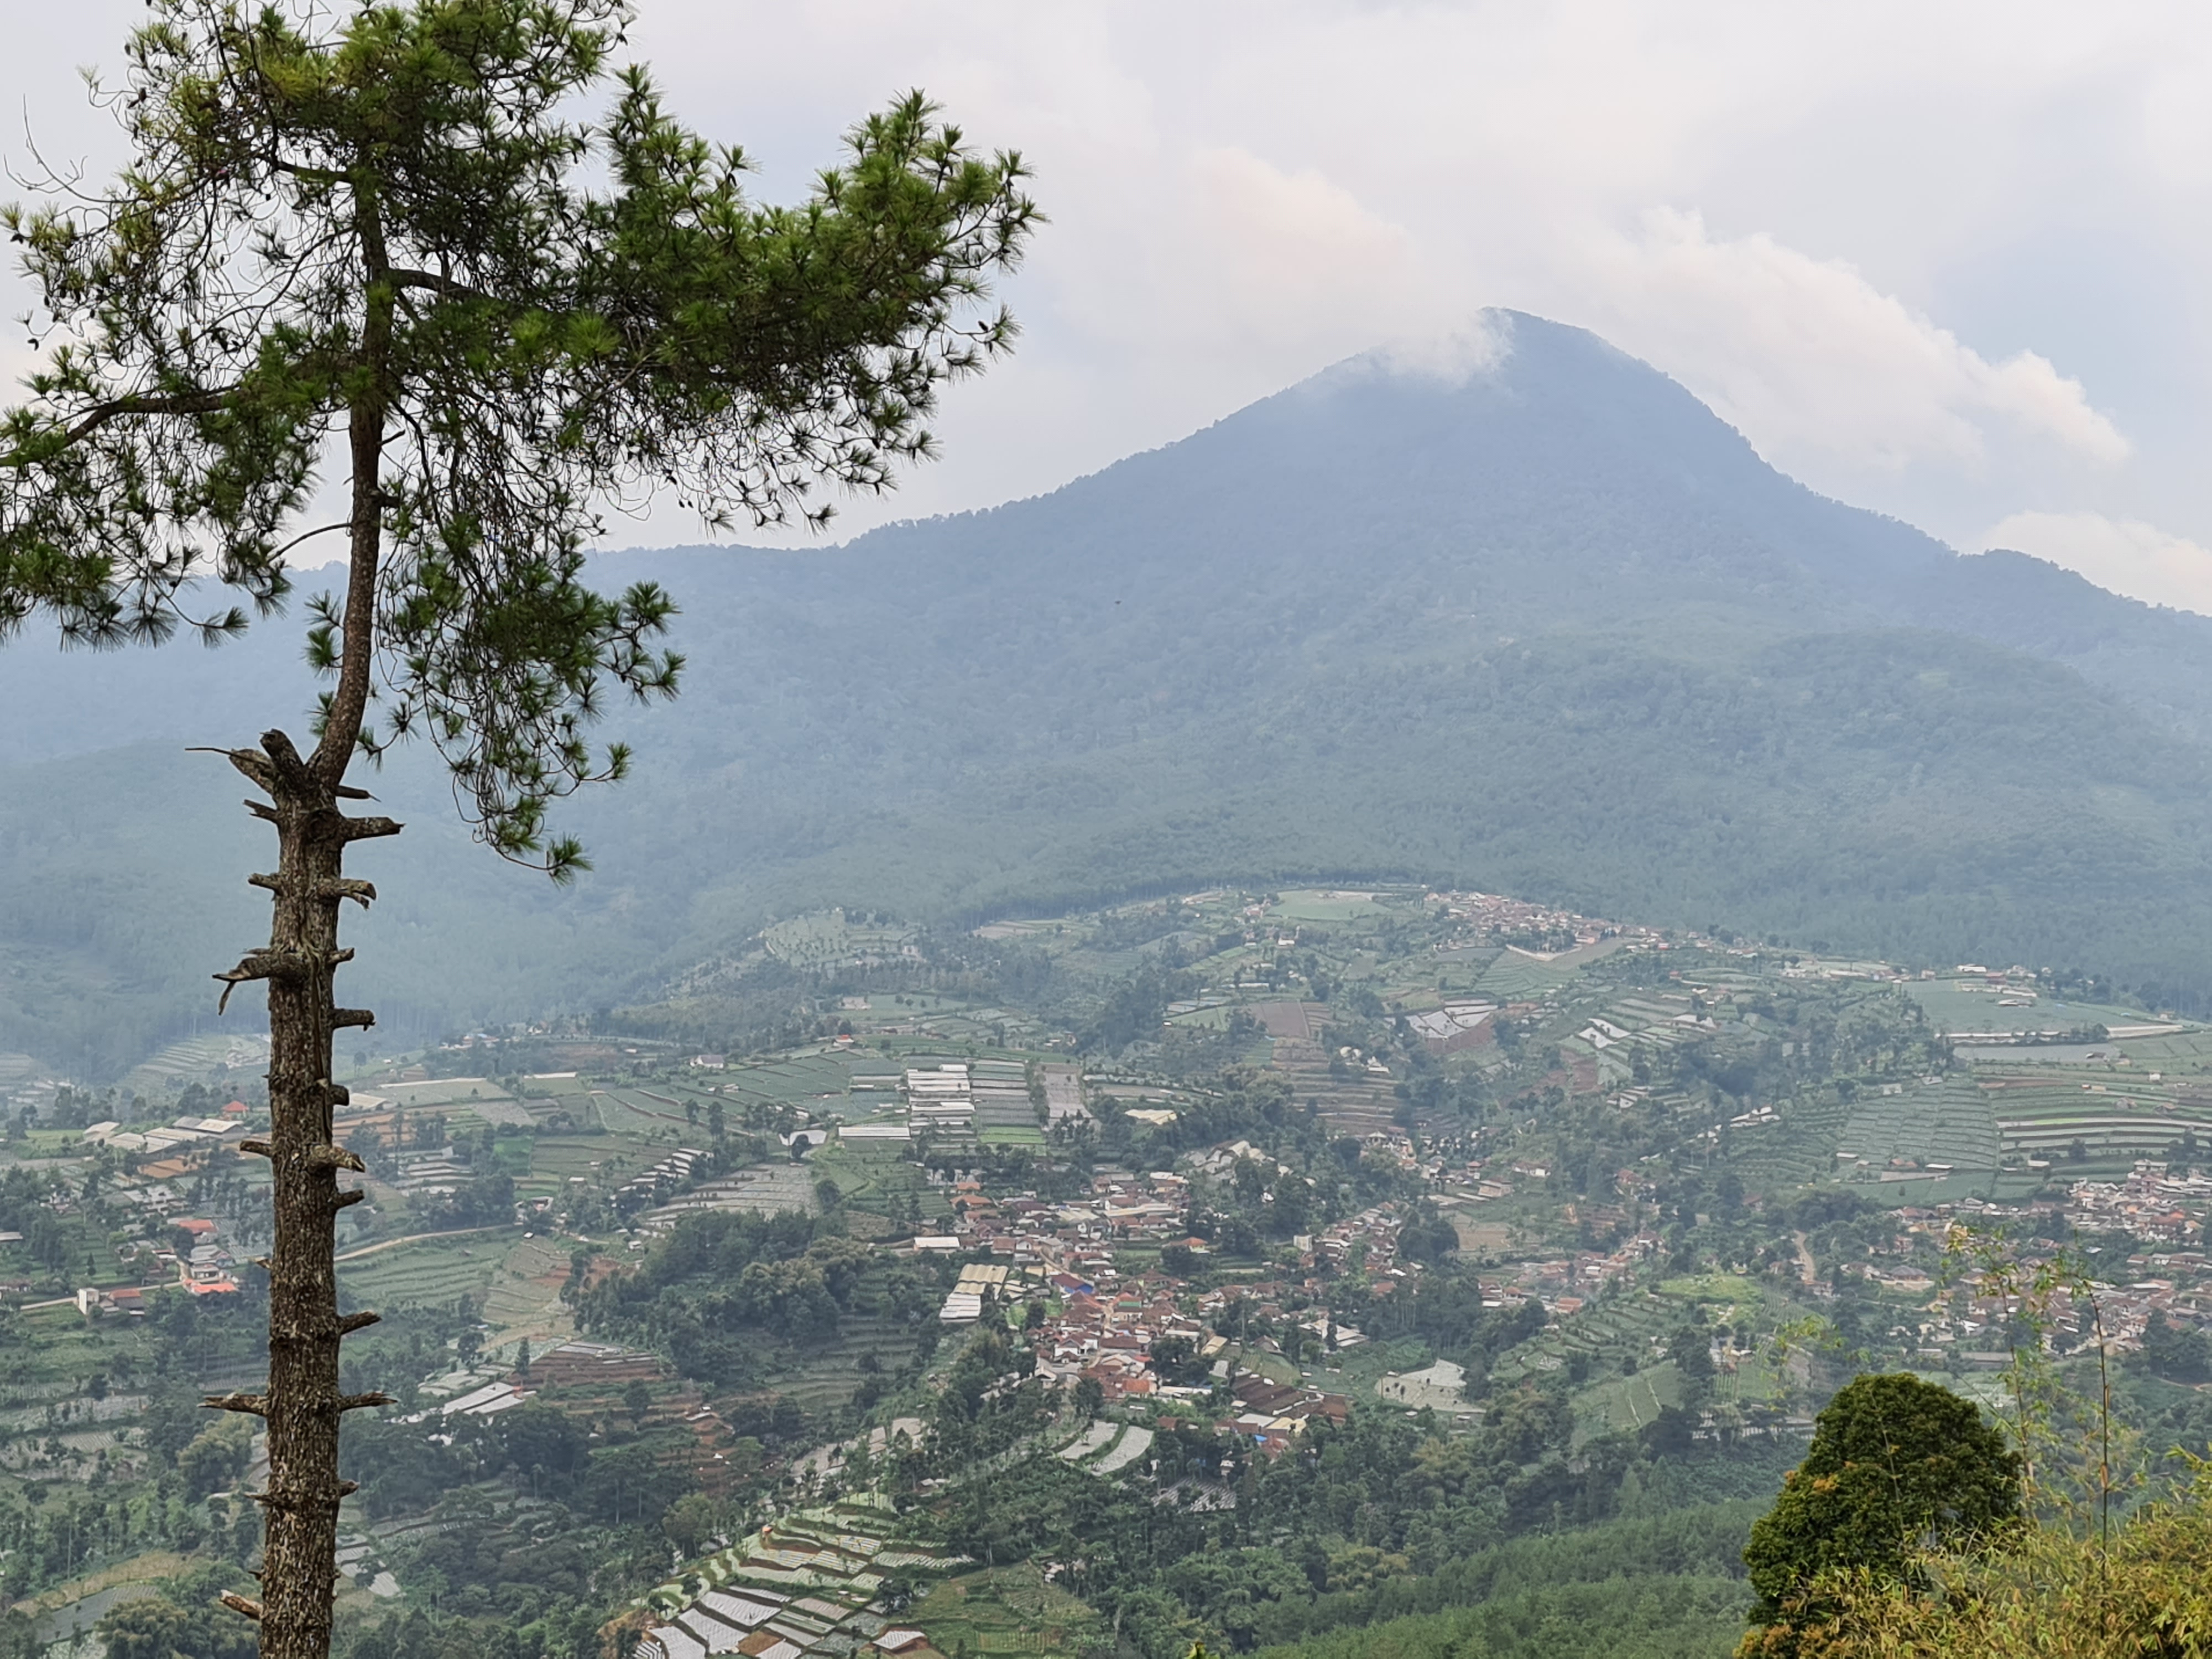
(1245,1266)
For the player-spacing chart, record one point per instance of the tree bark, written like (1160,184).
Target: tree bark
(302,1405)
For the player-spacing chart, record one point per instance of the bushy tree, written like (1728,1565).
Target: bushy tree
(1895,1464)
(390,237)
(155,1627)
(2147,1594)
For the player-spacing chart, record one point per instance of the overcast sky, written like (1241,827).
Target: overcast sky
(1947,261)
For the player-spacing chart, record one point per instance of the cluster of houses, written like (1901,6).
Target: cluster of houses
(1486,916)
(1077,1235)
(1565,1284)
(2151,1203)
(1271,1415)
(1090,1322)
(2172,1276)
(183,1135)
(204,1267)
(1110,1337)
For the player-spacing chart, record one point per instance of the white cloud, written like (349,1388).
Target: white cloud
(1818,366)
(1454,354)
(2124,555)
(1928,258)
(1265,265)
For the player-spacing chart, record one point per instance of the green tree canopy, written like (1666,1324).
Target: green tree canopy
(382,228)
(1895,1463)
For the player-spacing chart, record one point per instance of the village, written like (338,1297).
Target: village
(1640,1166)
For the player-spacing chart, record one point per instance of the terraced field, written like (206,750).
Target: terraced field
(1946,1126)
(1730,1298)
(523,1297)
(196,1058)
(1131,1444)
(2180,1051)
(632,1112)
(828,1376)
(1625,1404)
(2113,1117)
(791,1079)
(1799,1149)
(1095,1439)
(827,937)
(1607,1332)
(424,1273)
(876,1177)
(557,1160)
(1005,1114)
(1516,978)
(763,1189)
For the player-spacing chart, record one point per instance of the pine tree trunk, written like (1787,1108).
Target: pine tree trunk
(302,1404)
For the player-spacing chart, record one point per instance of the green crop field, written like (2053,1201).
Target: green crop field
(1624,1404)
(516,1299)
(1739,1294)
(568,1084)
(1007,1610)
(1329,904)
(426,1274)
(1801,1148)
(556,1158)
(876,1177)
(2106,1116)
(2180,1051)
(440,1092)
(628,1112)
(1518,978)
(793,1080)
(1956,1004)
(1948,1122)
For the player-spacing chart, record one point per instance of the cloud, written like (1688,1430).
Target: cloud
(1285,254)
(1936,259)
(1454,355)
(1819,367)
(1239,267)
(2124,555)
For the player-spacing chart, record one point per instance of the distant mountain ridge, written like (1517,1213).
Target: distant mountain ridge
(1553,628)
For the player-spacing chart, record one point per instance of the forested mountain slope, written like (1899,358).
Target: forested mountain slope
(1553,628)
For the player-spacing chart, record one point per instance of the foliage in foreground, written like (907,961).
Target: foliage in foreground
(1894,1460)
(2049,1593)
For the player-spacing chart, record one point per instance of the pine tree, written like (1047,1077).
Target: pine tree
(378,233)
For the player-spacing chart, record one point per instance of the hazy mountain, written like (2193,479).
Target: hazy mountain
(1553,628)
